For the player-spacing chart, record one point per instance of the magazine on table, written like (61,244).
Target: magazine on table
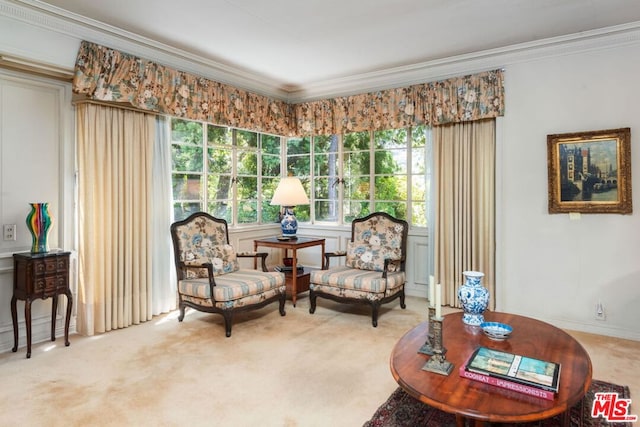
(516,368)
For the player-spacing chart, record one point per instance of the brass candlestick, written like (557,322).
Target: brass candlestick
(438,363)
(427,347)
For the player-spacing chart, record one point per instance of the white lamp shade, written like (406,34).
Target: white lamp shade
(290,193)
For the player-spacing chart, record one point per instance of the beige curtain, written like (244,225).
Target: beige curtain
(464,237)
(115,153)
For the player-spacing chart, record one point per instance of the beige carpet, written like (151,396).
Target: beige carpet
(326,369)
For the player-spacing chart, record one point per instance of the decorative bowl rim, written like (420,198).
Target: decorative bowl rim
(496,330)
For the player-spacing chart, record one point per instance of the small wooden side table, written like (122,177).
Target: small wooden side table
(293,245)
(42,275)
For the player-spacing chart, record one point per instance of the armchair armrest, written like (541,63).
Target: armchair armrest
(329,255)
(193,266)
(387,261)
(255,256)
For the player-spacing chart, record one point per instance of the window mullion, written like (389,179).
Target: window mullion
(205,169)
(340,184)
(234,178)
(372,171)
(312,179)
(409,153)
(259,197)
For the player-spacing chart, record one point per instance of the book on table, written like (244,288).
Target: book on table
(288,269)
(528,371)
(508,385)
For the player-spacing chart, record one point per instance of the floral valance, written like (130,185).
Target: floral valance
(106,74)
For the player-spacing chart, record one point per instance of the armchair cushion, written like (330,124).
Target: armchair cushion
(229,287)
(374,240)
(204,242)
(242,303)
(369,257)
(222,257)
(345,277)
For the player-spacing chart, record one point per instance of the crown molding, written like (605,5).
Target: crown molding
(606,38)
(51,18)
(37,13)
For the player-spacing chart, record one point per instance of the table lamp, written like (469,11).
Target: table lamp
(289,194)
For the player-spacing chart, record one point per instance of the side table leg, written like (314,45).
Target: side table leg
(14,318)
(255,260)
(294,278)
(67,319)
(27,319)
(54,309)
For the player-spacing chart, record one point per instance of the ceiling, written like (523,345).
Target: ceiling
(296,43)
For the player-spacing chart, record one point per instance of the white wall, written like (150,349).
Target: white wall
(548,267)
(551,267)
(36,165)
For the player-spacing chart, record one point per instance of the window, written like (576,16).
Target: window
(346,176)
(419,175)
(390,168)
(326,177)
(205,170)
(356,175)
(299,164)
(187,167)
(379,171)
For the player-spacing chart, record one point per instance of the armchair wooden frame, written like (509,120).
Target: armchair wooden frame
(182,268)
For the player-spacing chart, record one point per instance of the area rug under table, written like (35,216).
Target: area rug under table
(402,410)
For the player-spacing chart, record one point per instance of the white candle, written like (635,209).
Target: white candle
(438,301)
(432,291)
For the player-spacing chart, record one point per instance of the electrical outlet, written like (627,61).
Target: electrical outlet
(9,231)
(600,314)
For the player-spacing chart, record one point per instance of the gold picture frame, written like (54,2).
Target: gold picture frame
(590,172)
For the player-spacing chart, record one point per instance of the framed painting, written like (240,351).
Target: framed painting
(590,172)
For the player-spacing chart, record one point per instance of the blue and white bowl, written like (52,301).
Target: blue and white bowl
(496,331)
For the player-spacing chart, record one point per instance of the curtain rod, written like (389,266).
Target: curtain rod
(79,99)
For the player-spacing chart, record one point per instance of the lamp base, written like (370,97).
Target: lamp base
(289,223)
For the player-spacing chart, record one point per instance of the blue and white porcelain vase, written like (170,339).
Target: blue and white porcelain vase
(473,297)
(289,223)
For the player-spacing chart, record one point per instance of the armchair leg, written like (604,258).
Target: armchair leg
(283,300)
(181,316)
(312,301)
(374,315)
(228,319)
(402,304)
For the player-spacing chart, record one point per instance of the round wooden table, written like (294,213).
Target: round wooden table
(473,400)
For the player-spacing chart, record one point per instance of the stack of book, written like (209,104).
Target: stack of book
(288,269)
(513,372)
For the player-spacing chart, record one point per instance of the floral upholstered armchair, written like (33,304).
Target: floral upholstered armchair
(209,276)
(374,269)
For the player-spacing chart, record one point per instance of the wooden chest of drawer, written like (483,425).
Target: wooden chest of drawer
(40,276)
